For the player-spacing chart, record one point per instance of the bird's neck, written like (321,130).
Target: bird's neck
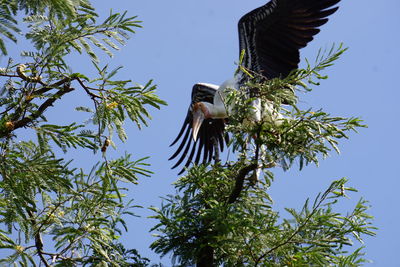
(220,94)
(215,111)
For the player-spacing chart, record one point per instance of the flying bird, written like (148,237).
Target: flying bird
(271,37)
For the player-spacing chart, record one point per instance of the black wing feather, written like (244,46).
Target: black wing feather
(211,129)
(272,35)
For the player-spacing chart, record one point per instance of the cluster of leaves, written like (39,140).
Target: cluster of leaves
(48,76)
(120,101)
(186,220)
(56,214)
(9,10)
(248,232)
(222,216)
(286,131)
(42,196)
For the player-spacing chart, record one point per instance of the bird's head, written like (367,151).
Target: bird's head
(200,112)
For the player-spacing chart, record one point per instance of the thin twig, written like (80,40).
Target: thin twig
(93,96)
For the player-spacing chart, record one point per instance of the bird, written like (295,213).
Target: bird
(270,39)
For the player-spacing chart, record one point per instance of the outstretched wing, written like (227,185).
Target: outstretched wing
(272,35)
(211,129)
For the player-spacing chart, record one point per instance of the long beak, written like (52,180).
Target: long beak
(198,118)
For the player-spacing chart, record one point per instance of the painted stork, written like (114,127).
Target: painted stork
(271,37)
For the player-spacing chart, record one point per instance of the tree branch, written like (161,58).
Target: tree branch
(240,181)
(38,238)
(9,75)
(92,95)
(53,86)
(206,258)
(206,253)
(21,73)
(49,102)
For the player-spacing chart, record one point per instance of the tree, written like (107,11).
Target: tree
(56,213)
(53,213)
(221,216)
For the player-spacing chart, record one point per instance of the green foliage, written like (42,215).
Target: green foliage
(55,213)
(79,33)
(8,25)
(121,101)
(222,210)
(248,232)
(202,212)
(64,136)
(59,7)
(301,135)
(9,10)
(43,196)
(34,86)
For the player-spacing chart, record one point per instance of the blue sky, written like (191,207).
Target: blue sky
(184,42)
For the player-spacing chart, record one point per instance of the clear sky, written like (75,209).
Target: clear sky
(189,41)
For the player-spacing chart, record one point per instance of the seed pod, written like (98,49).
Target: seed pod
(9,125)
(105,145)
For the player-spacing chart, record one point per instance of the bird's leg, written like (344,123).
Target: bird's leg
(216,150)
(256,173)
